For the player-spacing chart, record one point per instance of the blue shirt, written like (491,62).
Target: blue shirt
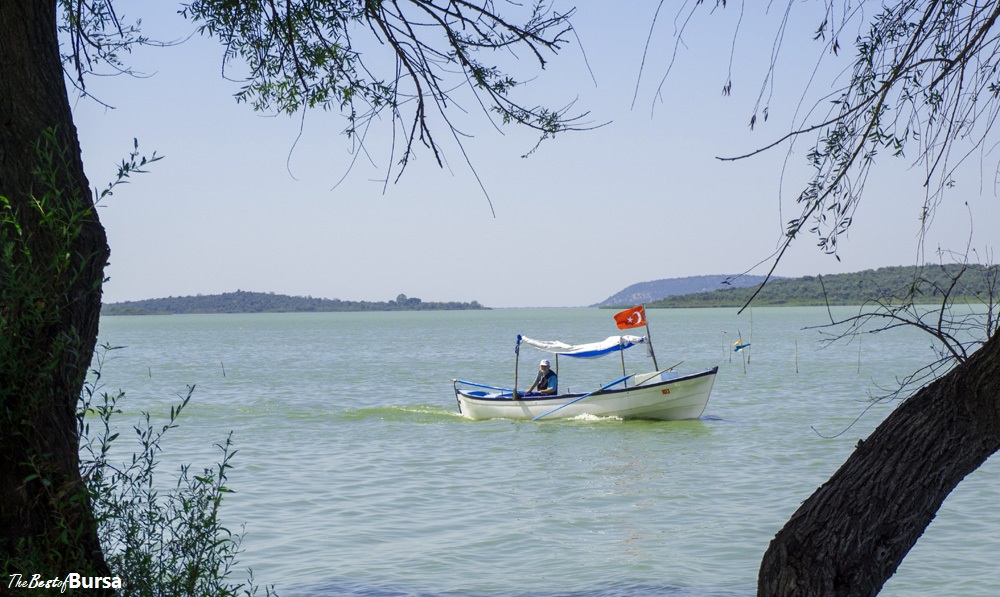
(547,380)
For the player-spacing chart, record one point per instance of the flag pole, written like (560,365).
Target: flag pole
(649,337)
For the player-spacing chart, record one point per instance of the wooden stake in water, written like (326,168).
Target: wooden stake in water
(796,357)
(741,350)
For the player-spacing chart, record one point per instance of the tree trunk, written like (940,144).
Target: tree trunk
(50,299)
(851,535)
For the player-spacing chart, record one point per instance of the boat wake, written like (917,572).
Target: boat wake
(415,413)
(589,418)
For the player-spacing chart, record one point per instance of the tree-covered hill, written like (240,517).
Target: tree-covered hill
(268,302)
(887,284)
(654,290)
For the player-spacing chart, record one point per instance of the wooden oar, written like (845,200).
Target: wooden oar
(615,382)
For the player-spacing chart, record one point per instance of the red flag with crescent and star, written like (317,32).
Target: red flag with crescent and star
(631,318)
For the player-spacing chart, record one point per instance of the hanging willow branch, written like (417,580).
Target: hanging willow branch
(924,86)
(404,58)
(98,38)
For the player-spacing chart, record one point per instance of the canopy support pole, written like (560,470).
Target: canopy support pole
(622,353)
(517,356)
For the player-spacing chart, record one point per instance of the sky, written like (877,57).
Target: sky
(265,203)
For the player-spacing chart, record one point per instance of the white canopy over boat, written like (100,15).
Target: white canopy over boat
(585,351)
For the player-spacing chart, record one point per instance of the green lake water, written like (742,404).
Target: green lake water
(356,476)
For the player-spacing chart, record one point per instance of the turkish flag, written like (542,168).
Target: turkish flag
(631,318)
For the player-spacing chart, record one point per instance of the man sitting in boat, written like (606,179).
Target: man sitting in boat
(546,381)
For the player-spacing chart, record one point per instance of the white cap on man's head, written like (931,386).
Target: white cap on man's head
(544,363)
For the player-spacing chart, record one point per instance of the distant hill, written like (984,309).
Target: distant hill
(648,292)
(887,284)
(268,302)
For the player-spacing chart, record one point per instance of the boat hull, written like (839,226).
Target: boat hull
(660,398)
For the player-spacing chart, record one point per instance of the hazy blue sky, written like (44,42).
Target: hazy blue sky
(240,201)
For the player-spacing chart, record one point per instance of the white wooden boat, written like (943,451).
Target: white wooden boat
(662,394)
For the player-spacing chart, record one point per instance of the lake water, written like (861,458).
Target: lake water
(356,476)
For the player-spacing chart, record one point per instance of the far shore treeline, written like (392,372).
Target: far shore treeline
(976,284)
(242,301)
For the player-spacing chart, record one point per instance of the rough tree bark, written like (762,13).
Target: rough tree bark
(44,519)
(850,536)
